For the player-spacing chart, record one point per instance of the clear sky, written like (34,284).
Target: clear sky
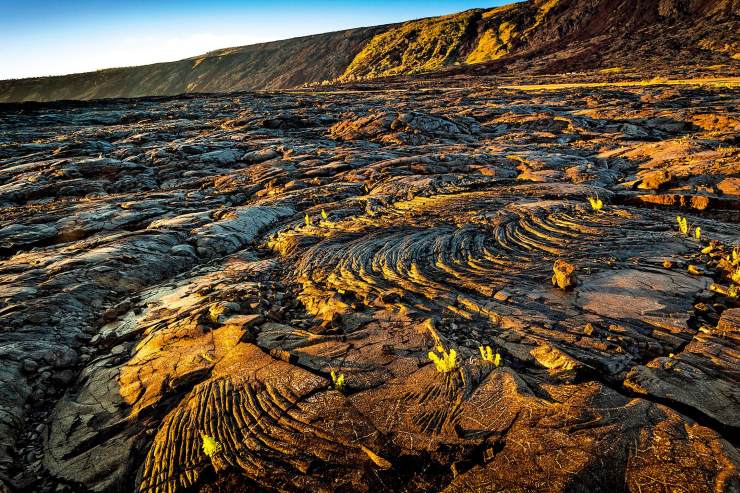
(51,37)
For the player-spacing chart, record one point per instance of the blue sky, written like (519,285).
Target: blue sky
(46,37)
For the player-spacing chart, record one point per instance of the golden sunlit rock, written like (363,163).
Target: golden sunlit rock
(564,276)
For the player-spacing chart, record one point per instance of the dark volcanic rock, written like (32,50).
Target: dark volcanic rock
(240,293)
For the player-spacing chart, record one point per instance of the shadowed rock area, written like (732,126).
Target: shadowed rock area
(241,292)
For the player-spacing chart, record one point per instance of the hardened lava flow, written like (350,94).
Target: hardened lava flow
(241,292)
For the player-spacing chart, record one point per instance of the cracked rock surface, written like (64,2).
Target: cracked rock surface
(268,272)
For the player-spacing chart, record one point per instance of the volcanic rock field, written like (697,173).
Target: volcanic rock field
(241,292)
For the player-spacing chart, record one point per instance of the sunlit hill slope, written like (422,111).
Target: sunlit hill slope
(537,35)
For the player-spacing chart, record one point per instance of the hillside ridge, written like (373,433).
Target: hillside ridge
(538,36)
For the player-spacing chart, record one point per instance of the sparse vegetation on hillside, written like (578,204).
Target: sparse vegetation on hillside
(502,29)
(412,47)
(544,36)
(493,44)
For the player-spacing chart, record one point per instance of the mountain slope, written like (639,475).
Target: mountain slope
(274,65)
(416,46)
(582,33)
(536,36)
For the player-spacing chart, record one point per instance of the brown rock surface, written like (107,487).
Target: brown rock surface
(704,375)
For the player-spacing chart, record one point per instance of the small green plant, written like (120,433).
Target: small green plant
(324,215)
(210,445)
(446,361)
(596,203)
(487,354)
(308,220)
(697,233)
(683,225)
(337,381)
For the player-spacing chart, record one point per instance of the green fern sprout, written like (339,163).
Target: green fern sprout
(446,362)
(596,203)
(337,381)
(683,225)
(210,446)
(486,354)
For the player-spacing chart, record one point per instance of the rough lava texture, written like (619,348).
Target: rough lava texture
(239,292)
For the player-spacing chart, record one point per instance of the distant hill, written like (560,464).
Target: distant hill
(538,35)
(558,35)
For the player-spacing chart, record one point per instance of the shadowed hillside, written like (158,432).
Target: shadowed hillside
(274,65)
(537,36)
